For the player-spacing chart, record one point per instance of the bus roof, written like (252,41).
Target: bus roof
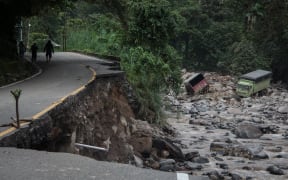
(255,75)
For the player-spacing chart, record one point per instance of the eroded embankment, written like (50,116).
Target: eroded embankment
(100,115)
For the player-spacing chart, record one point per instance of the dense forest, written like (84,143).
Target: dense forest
(155,39)
(227,36)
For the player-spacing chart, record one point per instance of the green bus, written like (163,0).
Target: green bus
(253,82)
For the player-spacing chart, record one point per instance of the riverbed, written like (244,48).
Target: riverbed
(237,138)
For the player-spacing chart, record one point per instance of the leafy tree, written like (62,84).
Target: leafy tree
(243,57)
(151,65)
(116,7)
(271,36)
(188,21)
(151,24)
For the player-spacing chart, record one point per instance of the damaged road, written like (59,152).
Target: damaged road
(99,115)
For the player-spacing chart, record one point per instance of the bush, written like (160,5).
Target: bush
(149,76)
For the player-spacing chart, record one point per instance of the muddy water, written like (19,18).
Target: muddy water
(214,117)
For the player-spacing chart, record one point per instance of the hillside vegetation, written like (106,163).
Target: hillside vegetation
(155,39)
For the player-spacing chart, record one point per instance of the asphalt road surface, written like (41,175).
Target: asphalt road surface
(20,164)
(64,74)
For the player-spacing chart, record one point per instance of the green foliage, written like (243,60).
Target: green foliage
(215,38)
(89,40)
(48,24)
(98,33)
(243,57)
(149,76)
(208,46)
(151,23)
(151,65)
(39,38)
(16,93)
(191,26)
(103,22)
(173,79)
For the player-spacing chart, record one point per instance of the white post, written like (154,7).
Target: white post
(91,147)
(28,34)
(21,26)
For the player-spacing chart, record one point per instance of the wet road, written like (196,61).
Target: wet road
(38,165)
(67,72)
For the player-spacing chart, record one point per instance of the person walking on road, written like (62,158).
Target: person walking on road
(22,49)
(34,49)
(49,49)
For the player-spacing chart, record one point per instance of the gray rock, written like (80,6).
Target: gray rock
(167,161)
(223,165)
(247,168)
(165,144)
(284,156)
(248,131)
(276,149)
(285,134)
(150,162)
(236,111)
(261,155)
(270,129)
(218,159)
(168,167)
(193,166)
(214,175)
(138,161)
(236,149)
(275,170)
(218,147)
(283,109)
(283,166)
(254,149)
(201,160)
(236,176)
(189,156)
(193,111)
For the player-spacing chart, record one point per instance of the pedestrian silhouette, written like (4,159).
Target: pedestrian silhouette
(34,49)
(49,49)
(22,49)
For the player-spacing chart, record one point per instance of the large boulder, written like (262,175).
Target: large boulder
(141,137)
(283,109)
(248,131)
(165,144)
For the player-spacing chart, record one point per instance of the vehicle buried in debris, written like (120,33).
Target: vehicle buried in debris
(252,83)
(196,84)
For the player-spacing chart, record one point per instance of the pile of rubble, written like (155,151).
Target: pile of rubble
(227,137)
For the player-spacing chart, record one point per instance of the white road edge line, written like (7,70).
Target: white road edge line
(182,176)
